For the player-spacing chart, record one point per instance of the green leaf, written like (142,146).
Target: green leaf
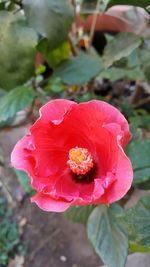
(50,18)
(135,133)
(103,5)
(132,59)
(140,3)
(11,7)
(138,248)
(17,50)
(79,214)
(55,85)
(88,6)
(9,121)
(108,238)
(139,153)
(2,92)
(58,55)
(55,56)
(135,121)
(121,46)
(140,120)
(5,124)
(144,185)
(144,57)
(89,96)
(145,121)
(2,6)
(136,221)
(25,181)
(79,70)
(40,69)
(115,74)
(141,176)
(14,101)
(127,109)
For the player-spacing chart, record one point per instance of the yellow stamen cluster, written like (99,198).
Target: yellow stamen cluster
(80,160)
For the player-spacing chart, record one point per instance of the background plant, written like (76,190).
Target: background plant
(43,57)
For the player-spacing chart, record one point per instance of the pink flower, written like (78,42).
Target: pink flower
(74,155)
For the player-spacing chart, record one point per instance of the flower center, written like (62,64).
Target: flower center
(80,160)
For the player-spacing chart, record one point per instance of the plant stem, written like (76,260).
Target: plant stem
(94,24)
(73,47)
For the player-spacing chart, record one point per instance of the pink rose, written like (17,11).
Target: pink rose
(74,155)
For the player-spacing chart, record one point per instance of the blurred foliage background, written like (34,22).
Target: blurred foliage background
(80,50)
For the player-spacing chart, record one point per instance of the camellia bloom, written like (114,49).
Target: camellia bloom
(74,155)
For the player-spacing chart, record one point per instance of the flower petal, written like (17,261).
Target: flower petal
(21,157)
(62,125)
(55,110)
(124,177)
(109,114)
(89,192)
(49,204)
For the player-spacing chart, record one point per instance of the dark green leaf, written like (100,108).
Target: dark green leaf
(9,235)
(2,6)
(50,18)
(89,96)
(143,185)
(127,109)
(136,221)
(139,153)
(25,181)
(85,97)
(108,238)
(11,7)
(14,101)
(4,124)
(79,214)
(79,70)
(140,3)
(141,175)
(121,46)
(17,50)
(144,57)
(140,120)
(135,133)
(145,121)
(135,121)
